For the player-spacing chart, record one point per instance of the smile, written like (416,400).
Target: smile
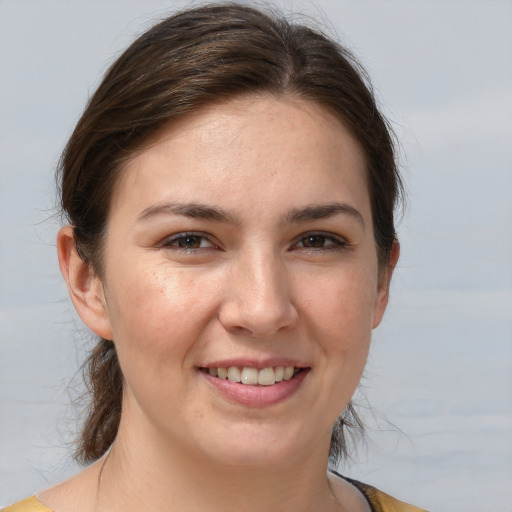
(254,386)
(254,376)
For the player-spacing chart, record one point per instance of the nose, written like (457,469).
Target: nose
(258,299)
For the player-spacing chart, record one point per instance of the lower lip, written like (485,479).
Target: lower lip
(257,396)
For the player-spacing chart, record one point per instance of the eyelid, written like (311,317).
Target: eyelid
(168,241)
(339,242)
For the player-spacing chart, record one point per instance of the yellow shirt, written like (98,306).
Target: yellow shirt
(379,502)
(28,505)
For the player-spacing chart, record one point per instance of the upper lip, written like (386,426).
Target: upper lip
(253,363)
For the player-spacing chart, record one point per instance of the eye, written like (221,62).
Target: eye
(188,241)
(320,241)
(314,241)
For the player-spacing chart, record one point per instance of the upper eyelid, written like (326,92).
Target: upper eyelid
(216,243)
(184,234)
(326,234)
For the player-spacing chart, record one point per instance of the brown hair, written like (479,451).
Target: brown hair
(190,59)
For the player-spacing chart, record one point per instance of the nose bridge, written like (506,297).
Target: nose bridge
(260,302)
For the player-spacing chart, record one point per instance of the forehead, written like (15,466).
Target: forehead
(282,148)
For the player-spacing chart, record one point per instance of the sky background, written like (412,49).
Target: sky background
(439,378)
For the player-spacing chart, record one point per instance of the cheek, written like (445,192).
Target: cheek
(340,318)
(338,314)
(158,314)
(158,317)
(340,307)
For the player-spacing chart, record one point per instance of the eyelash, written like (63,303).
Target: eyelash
(335,242)
(172,242)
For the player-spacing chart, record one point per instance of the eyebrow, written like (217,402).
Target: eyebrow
(295,216)
(192,210)
(323,211)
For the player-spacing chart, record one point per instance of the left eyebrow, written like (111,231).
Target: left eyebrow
(192,210)
(323,211)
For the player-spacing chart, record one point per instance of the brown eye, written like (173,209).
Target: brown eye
(189,242)
(314,241)
(321,241)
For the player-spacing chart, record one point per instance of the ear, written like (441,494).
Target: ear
(385,275)
(84,286)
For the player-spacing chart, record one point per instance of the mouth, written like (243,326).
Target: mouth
(251,376)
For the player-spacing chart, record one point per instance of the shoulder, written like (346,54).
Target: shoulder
(380,501)
(28,505)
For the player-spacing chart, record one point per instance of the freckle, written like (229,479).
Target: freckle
(199,414)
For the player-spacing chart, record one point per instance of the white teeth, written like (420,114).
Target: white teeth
(288,372)
(249,376)
(266,377)
(233,374)
(252,376)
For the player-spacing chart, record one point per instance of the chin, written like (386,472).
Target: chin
(257,448)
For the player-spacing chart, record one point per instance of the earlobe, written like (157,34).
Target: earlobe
(84,286)
(384,284)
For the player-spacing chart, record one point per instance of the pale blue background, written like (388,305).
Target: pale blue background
(441,366)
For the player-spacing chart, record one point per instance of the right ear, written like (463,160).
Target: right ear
(84,286)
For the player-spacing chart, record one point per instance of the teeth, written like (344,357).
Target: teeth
(233,374)
(249,376)
(288,372)
(267,377)
(252,376)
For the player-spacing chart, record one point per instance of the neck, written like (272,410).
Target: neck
(140,475)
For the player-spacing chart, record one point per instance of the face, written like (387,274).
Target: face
(241,243)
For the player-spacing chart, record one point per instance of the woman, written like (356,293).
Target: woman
(230,192)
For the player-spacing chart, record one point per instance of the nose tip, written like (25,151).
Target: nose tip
(258,322)
(259,303)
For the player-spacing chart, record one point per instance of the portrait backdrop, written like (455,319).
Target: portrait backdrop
(437,391)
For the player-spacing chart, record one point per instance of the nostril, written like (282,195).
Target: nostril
(241,331)
(257,325)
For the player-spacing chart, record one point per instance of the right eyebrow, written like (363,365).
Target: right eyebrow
(192,210)
(323,211)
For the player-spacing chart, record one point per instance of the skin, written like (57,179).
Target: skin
(260,279)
